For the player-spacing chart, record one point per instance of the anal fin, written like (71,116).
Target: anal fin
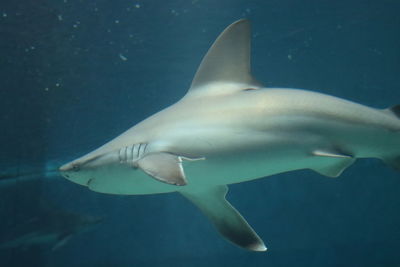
(228,221)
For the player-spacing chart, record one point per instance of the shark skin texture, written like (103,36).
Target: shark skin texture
(229,129)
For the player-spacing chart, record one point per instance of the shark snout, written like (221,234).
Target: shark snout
(64,168)
(74,172)
(69,167)
(68,170)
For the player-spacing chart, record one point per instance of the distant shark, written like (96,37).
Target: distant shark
(228,129)
(52,228)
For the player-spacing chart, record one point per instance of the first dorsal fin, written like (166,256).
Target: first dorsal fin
(228,59)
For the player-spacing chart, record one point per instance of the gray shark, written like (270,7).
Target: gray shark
(49,227)
(228,129)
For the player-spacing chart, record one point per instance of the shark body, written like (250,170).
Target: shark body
(49,227)
(228,129)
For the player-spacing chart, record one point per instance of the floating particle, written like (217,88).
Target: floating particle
(289,56)
(60,18)
(122,57)
(4,15)
(116,21)
(137,5)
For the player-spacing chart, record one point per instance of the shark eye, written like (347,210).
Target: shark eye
(75,168)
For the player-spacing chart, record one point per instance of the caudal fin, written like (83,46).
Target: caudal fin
(394,162)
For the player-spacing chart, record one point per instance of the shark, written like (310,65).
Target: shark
(228,128)
(50,227)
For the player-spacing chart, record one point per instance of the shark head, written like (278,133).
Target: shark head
(115,172)
(86,168)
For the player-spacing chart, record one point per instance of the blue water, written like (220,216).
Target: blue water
(75,74)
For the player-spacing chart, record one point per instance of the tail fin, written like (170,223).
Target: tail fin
(394,162)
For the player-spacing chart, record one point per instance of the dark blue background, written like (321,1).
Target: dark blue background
(65,90)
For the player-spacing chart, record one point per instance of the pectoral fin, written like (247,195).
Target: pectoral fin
(228,221)
(164,167)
